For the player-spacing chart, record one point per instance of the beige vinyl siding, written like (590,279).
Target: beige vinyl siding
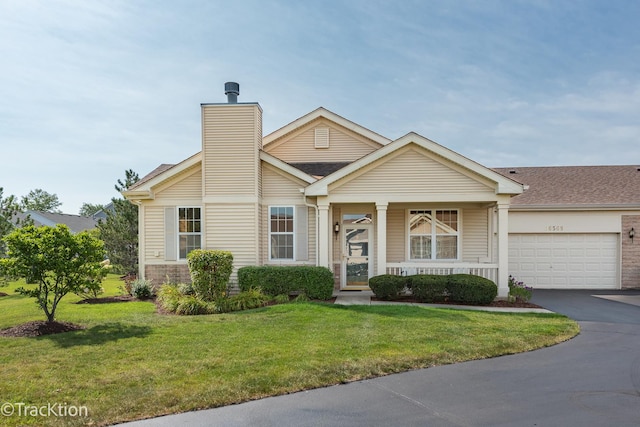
(344,145)
(396,235)
(277,186)
(231,142)
(474,235)
(187,187)
(233,227)
(409,172)
(153,233)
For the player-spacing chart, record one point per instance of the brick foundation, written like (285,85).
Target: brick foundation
(174,273)
(630,252)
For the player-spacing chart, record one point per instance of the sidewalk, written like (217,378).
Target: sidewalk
(364,298)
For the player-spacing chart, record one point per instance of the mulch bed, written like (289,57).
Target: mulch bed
(105,300)
(38,328)
(2,294)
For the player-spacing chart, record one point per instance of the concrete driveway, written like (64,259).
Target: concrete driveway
(591,380)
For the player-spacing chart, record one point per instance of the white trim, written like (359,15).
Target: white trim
(322,112)
(504,185)
(145,190)
(281,233)
(286,167)
(434,236)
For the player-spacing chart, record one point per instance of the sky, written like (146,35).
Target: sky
(91,88)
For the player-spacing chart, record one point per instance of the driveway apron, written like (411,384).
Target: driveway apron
(591,380)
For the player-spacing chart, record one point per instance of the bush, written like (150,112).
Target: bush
(186,289)
(429,288)
(470,289)
(253,298)
(210,272)
(142,289)
(191,305)
(315,282)
(388,286)
(169,297)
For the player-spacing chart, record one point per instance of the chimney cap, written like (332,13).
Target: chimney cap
(232,90)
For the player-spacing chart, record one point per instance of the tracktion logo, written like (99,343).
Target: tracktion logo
(21,409)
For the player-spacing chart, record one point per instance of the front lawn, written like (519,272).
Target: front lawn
(131,362)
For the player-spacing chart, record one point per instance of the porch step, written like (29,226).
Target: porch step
(353,297)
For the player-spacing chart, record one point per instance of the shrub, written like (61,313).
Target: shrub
(142,289)
(281,299)
(518,291)
(253,298)
(191,305)
(429,288)
(315,282)
(210,272)
(470,289)
(388,286)
(186,289)
(169,297)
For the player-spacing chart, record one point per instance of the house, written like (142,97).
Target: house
(76,223)
(325,191)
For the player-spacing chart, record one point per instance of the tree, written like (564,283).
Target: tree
(8,210)
(89,209)
(40,200)
(120,229)
(55,260)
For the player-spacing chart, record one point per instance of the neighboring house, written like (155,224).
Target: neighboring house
(76,223)
(325,191)
(102,214)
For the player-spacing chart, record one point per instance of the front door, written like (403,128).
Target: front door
(357,251)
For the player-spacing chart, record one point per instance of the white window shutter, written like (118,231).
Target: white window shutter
(170,235)
(301,234)
(322,138)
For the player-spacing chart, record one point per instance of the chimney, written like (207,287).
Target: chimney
(232,90)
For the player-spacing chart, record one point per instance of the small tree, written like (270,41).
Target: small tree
(55,260)
(210,271)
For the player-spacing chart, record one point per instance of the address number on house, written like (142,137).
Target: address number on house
(555,228)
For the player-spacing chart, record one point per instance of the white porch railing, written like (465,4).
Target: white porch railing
(488,271)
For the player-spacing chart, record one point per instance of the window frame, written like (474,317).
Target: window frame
(291,233)
(179,233)
(434,234)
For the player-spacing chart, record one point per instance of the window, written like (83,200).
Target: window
(189,231)
(433,234)
(281,228)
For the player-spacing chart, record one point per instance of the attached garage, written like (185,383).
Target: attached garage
(565,261)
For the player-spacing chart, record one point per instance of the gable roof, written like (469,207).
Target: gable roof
(323,112)
(576,186)
(505,185)
(76,223)
(143,188)
(319,169)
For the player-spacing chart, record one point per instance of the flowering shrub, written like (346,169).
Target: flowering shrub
(518,291)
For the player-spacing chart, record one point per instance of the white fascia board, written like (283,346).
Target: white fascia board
(322,112)
(145,191)
(286,167)
(504,185)
(539,208)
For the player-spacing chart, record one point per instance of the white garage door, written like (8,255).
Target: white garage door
(565,261)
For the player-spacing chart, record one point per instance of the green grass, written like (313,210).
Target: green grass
(132,363)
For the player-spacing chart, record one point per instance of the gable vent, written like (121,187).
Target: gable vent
(322,138)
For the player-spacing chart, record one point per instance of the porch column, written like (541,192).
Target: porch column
(503,250)
(381,210)
(323,234)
